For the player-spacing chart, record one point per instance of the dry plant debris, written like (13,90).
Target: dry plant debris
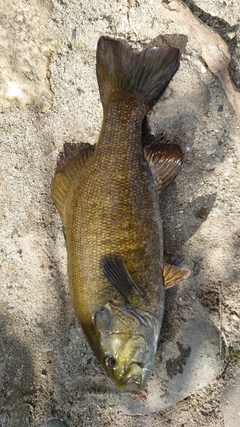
(214,50)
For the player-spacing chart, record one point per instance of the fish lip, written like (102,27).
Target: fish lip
(137,379)
(140,380)
(124,382)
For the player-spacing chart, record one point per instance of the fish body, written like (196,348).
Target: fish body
(107,196)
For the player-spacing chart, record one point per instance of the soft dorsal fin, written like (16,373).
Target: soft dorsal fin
(69,165)
(119,277)
(165,161)
(172,275)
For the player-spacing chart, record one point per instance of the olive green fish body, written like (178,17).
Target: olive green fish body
(114,209)
(107,197)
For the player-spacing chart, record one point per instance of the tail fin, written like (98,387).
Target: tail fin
(145,74)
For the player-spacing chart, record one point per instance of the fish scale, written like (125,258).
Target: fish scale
(99,229)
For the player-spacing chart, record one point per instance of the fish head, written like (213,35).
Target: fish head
(128,341)
(125,359)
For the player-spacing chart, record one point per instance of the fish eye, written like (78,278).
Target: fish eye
(110,361)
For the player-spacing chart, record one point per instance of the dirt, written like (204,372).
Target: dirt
(48,96)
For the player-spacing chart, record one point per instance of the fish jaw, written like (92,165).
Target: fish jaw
(132,374)
(135,374)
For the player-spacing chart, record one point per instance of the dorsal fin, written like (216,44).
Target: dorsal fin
(165,161)
(69,165)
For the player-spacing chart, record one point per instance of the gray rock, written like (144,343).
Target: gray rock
(230,405)
(189,362)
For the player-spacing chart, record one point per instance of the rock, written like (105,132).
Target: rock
(189,363)
(230,405)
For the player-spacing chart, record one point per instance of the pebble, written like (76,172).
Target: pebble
(231,35)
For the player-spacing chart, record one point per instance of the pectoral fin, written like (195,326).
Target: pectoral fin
(118,276)
(165,161)
(172,275)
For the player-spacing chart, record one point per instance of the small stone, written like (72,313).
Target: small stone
(74,33)
(211,150)
(231,35)
(15,231)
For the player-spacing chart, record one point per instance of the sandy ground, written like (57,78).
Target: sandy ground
(48,96)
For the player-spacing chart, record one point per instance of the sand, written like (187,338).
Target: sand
(48,96)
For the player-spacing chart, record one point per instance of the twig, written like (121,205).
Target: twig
(84,418)
(222,335)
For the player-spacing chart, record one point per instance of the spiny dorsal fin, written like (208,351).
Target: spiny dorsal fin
(69,165)
(165,161)
(172,275)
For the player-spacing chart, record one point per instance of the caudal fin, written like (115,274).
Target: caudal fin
(122,71)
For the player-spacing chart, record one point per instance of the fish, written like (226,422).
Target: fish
(107,195)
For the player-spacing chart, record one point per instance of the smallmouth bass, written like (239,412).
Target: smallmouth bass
(107,196)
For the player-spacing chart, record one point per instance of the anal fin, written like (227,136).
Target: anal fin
(165,161)
(172,275)
(69,165)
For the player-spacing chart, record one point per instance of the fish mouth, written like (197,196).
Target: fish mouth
(136,374)
(124,382)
